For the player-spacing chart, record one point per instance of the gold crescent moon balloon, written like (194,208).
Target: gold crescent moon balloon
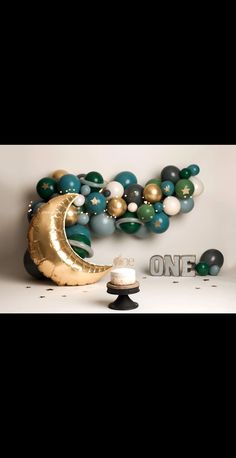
(51,251)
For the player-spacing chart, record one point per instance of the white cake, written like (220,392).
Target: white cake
(123,276)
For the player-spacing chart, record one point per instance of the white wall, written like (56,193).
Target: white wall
(211,224)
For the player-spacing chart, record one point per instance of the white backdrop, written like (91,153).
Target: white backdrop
(211,224)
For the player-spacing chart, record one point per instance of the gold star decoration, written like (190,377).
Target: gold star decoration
(167,189)
(185,190)
(94,201)
(45,186)
(157,224)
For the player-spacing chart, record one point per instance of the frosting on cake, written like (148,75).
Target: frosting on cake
(123,276)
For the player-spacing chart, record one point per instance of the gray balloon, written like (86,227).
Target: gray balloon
(83,219)
(102,225)
(134,193)
(170,173)
(213,258)
(143,232)
(186,205)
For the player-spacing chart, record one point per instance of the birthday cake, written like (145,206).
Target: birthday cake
(123,276)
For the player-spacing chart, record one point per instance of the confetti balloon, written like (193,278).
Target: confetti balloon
(116,189)
(134,194)
(159,223)
(95,203)
(186,205)
(102,225)
(214,270)
(126,178)
(152,193)
(213,257)
(116,207)
(69,183)
(198,186)
(171,205)
(194,169)
(146,213)
(184,189)
(46,187)
(170,173)
(167,188)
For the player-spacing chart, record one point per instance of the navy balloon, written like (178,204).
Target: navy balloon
(213,258)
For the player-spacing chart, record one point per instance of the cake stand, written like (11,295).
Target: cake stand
(123,301)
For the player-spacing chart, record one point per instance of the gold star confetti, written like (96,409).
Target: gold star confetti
(157,224)
(185,190)
(167,189)
(94,201)
(45,186)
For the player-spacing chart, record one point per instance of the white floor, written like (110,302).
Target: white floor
(157,295)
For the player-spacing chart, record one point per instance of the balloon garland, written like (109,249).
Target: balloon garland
(103,207)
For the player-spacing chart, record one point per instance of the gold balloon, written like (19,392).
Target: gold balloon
(51,251)
(58,174)
(71,216)
(152,193)
(116,207)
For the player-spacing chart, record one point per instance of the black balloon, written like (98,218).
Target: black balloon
(213,258)
(106,193)
(133,193)
(170,173)
(31,267)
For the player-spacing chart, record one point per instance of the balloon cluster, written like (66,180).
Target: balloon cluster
(211,262)
(121,204)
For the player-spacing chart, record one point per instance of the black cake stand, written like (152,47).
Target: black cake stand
(123,301)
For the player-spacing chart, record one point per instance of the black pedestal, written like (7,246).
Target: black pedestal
(123,301)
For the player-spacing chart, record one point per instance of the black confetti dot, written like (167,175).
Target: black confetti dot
(49,289)
(144,278)
(214,286)
(206,279)
(41,297)
(197,287)
(175,281)
(64,295)
(28,286)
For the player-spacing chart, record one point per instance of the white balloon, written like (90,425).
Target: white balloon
(116,189)
(132,207)
(171,205)
(79,201)
(198,186)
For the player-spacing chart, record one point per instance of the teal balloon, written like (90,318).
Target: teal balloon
(194,169)
(159,223)
(126,178)
(83,219)
(69,183)
(158,207)
(95,203)
(167,188)
(186,205)
(214,270)
(102,225)
(143,232)
(78,229)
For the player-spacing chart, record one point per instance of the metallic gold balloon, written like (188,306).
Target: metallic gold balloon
(116,207)
(71,216)
(51,251)
(152,193)
(58,174)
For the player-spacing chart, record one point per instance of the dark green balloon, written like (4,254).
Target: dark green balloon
(213,258)
(184,189)
(132,227)
(95,177)
(146,213)
(31,267)
(80,251)
(155,181)
(46,187)
(185,173)
(202,268)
